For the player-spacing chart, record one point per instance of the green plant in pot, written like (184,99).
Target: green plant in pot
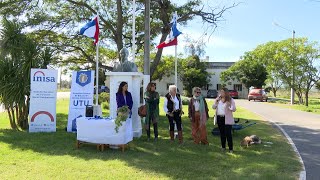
(123,113)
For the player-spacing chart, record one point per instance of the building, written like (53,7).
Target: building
(215,68)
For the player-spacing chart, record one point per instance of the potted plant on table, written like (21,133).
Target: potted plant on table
(123,113)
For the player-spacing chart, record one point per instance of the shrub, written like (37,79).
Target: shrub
(103,97)
(105,105)
(185,100)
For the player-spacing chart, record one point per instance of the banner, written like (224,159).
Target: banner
(43,97)
(81,96)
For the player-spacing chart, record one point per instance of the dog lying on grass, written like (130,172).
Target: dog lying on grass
(249,140)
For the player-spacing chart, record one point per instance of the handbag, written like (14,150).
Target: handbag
(142,111)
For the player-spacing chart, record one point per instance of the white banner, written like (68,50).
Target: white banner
(43,97)
(81,96)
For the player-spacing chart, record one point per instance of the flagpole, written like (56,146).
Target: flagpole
(133,30)
(175,55)
(97,67)
(175,67)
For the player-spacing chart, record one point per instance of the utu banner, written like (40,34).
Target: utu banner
(81,96)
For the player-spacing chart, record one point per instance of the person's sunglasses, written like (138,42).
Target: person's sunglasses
(198,92)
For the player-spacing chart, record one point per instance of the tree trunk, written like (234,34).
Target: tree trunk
(118,35)
(274,91)
(10,119)
(307,97)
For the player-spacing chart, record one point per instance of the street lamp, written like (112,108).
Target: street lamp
(293,63)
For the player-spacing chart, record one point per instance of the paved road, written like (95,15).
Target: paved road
(302,127)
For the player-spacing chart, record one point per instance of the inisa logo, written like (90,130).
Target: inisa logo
(39,76)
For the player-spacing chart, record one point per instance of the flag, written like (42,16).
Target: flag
(91,29)
(174,33)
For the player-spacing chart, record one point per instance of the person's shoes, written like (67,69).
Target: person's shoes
(223,149)
(231,151)
(148,139)
(156,139)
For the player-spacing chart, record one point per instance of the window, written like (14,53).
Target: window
(219,86)
(207,87)
(237,87)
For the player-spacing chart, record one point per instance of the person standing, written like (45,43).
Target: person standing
(225,106)
(198,115)
(173,109)
(123,96)
(152,98)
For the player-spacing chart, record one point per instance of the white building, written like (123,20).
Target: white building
(216,68)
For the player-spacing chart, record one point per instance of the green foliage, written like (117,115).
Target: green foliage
(123,113)
(18,54)
(193,73)
(283,60)
(318,85)
(55,23)
(164,69)
(249,70)
(105,105)
(185,100)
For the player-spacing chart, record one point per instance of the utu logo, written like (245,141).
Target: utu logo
(42,78)
(80,102)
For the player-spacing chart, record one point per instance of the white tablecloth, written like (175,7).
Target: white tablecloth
(102,131)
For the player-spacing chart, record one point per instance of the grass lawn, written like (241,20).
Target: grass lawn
(314,104)
(54,155)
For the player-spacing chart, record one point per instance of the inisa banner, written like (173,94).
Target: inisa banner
(81,96)
(43,97)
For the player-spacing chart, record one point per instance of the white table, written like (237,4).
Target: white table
(102,132)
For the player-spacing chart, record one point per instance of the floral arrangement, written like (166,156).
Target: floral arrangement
(123,113)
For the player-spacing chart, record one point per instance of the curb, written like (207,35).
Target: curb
(303,173)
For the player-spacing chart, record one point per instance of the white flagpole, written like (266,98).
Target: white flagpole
(175,67)
(175,55)
(97,66)
(133,30)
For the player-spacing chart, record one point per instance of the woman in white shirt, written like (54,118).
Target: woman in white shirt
(198,115)
(173,108)
(225,106)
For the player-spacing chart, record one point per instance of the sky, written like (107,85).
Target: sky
(252,23)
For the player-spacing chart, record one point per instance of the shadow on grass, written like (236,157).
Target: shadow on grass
(187,161)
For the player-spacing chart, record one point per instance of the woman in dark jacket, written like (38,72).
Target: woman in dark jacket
(152,98)
(123,96)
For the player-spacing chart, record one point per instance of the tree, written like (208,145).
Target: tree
(274,82)
(249,71)
(56,22)
(318,85)
(283,58)
(165,67)
(193,73)
(18,54)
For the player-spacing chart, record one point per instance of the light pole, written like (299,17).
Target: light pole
(293,62)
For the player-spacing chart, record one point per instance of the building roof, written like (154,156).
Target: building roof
(219,65)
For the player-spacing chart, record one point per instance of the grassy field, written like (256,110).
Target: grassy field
(283,100)
(54,155)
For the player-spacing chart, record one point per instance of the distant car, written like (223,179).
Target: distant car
(212,93)
(101,89)
(234,94)
(257,94)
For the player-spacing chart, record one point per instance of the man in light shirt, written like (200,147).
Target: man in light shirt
(198,115)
